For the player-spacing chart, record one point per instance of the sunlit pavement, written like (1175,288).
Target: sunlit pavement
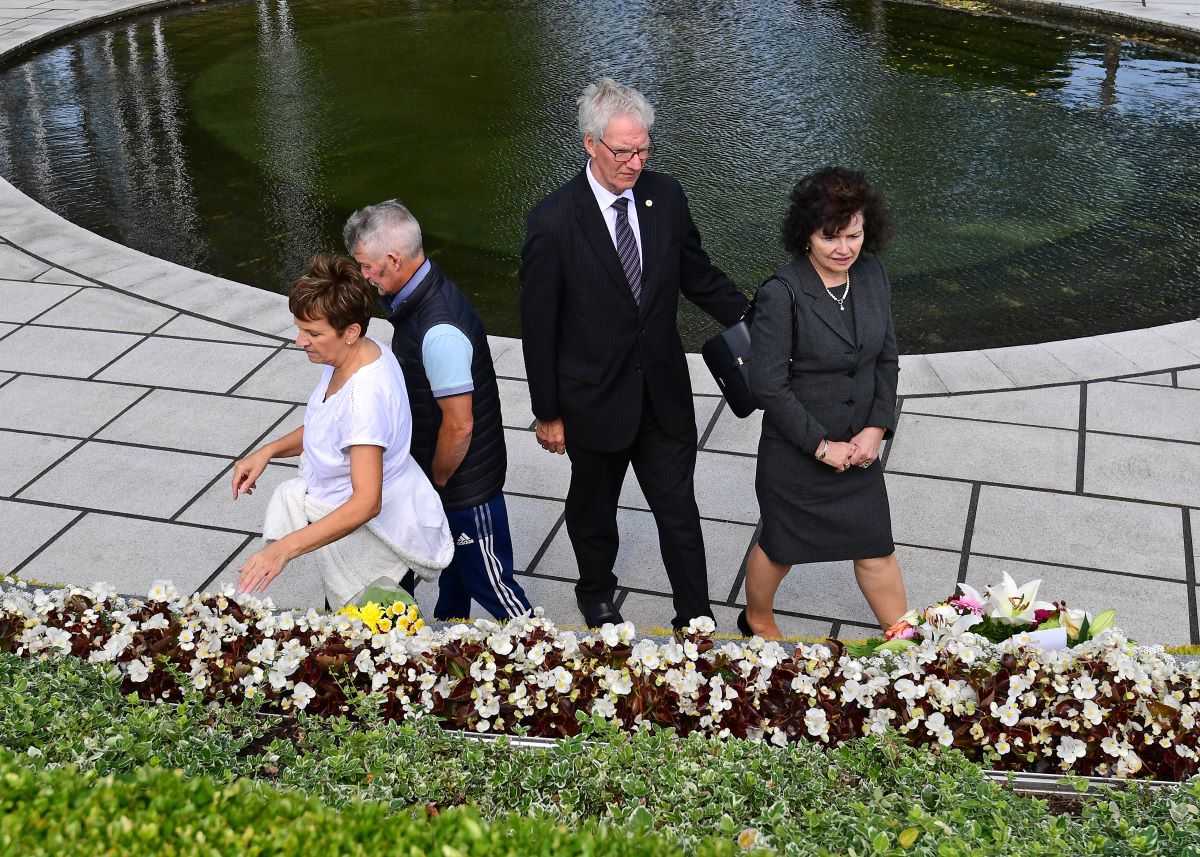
(129,385)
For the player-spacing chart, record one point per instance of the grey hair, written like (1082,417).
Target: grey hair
(606,98)
(386,226)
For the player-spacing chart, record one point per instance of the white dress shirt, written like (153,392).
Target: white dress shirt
(605,199)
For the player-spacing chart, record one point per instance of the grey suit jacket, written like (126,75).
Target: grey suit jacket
(838,387)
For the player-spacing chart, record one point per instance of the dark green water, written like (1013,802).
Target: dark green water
(1045,182)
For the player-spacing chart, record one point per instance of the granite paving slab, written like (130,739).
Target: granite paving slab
(131,554)
(1027,365)
(1152,611)
(191,327)
(15,265)
(928,512)
(514,403)
(1160,379)
(533,471)
(531,522)
(1189,378)
(26,528)
(25,456)
(187,364)
(113,477)
(58,351)
(1051,407)
(1143,410)
(199,422)
(917,377)
(968,370)
(734,434)
(1089,532)
(639,561)
(63,406)
(1142,468)
(217,508)
(288,376)
(21,301)
(102,309)
(992,452)
(507,357)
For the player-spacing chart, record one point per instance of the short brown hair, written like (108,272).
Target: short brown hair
(333,289)
(826,200)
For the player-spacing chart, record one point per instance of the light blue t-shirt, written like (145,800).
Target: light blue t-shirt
(447,353)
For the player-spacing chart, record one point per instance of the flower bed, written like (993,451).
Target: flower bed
(1104,707)
(874,795)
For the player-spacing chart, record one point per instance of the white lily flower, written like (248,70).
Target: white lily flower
(1011,604)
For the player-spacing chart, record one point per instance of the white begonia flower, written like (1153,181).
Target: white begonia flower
(1070,749)
(908,690)
(57,638)
(264,652)
(157,622)
(804,684)
(1002,746)
(285,621)
(1092,713)
(488,705)
(138,670)
(604,707)
(817,723)
(563,680)
(500,644)
(483,670)
(364,662)
(302,694)
(163,590)
(113,648)
(703,625)
(1008,713)
(101,591)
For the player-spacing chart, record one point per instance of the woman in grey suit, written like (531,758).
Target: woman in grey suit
(824,366)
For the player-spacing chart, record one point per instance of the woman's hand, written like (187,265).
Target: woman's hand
(247,470)
(867,441)
(838,454)
(258,571)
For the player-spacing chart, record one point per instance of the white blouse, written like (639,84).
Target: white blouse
(372,409)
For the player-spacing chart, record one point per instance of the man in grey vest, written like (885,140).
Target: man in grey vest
(458,434)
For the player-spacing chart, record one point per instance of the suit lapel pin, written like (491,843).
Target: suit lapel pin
(649,203)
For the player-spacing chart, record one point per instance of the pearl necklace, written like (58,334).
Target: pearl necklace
(841,302)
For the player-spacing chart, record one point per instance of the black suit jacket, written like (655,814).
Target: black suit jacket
(839,384)
(590,350)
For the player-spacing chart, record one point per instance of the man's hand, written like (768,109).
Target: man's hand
(551,437)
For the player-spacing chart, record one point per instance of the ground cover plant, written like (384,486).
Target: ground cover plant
(875,795)
(1104,707)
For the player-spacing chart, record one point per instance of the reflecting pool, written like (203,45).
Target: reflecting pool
(1045,181)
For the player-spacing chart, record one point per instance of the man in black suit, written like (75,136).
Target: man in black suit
(606,257)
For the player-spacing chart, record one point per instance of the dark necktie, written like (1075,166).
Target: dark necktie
(627,248)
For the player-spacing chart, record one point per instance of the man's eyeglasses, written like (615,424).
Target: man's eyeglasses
(624,156)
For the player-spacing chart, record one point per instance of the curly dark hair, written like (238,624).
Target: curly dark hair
(824,201)
(333,289)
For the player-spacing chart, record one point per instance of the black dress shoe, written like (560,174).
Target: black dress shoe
(597,613)
(743,625)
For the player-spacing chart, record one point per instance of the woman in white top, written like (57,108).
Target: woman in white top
(357,478)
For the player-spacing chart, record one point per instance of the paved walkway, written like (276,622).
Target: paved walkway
(128,386)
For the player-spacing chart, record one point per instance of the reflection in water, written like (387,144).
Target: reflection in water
(1029,168)
(289,128)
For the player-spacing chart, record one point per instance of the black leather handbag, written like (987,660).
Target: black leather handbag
(727,356)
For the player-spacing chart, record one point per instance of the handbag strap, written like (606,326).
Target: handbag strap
(749,314)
